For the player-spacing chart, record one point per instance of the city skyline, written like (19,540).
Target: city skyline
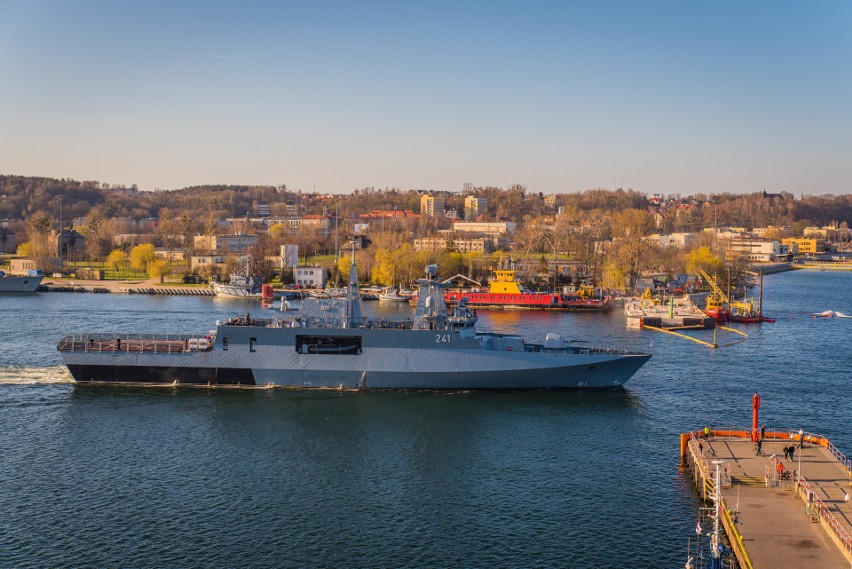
(659,97)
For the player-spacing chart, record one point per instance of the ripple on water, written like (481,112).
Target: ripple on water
(109,476)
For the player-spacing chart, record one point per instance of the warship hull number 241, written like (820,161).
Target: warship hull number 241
(330,343)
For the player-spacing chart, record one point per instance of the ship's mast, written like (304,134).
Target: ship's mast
(354,309)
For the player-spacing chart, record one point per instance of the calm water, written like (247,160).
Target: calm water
(140,477)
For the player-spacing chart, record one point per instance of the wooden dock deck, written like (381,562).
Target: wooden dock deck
(777,521)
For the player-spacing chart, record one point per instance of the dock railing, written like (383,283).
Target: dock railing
(844,539)
(736,538)
(842,535)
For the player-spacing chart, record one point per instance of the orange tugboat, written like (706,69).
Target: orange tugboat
(505,292)
(724,310)
(717,302)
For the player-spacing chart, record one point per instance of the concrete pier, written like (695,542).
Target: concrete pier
(777,519)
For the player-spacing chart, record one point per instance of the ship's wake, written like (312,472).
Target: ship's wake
(34,375)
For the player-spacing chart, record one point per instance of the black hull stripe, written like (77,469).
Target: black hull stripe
(146,374)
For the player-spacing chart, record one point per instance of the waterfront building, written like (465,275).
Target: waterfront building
(805,245)
(758,250)
(311,277)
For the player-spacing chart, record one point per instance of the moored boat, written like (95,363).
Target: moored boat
(716,303)
(240,285)
(505,292)
(26,283)
(392,294)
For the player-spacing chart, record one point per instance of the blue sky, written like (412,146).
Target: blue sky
(659,96)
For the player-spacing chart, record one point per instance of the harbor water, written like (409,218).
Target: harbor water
(187,477)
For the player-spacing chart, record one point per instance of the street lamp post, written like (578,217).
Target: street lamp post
(59,237)
(801,450)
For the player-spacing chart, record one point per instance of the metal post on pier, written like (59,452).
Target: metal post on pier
(715,554)
(755,411)
(801,450)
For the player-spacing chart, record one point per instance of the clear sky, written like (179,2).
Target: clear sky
(658,96)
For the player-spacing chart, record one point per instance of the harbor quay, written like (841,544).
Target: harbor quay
(777,512)
(151,286)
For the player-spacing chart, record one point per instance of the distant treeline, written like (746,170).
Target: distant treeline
(21,197)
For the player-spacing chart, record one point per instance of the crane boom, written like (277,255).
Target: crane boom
(712,282)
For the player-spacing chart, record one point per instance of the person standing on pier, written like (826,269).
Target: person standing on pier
(792,451)
(706,432)
(786,452)
(763,431)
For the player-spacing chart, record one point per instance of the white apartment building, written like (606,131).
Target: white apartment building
(311,277)
(758,250)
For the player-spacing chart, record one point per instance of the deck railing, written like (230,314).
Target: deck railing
(135,343)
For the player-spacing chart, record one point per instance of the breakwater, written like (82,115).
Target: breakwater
(171,291)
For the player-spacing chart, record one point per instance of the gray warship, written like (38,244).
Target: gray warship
(330,343)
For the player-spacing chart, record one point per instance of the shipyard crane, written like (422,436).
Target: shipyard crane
(743,307)
(712,282)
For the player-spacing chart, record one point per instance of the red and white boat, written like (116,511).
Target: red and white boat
(506,293)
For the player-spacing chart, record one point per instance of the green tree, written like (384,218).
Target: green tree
(703,258)
(612,278)
(117,259)
(141,256)
(159,268)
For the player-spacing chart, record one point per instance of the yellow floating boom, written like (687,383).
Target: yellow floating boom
(702,342)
